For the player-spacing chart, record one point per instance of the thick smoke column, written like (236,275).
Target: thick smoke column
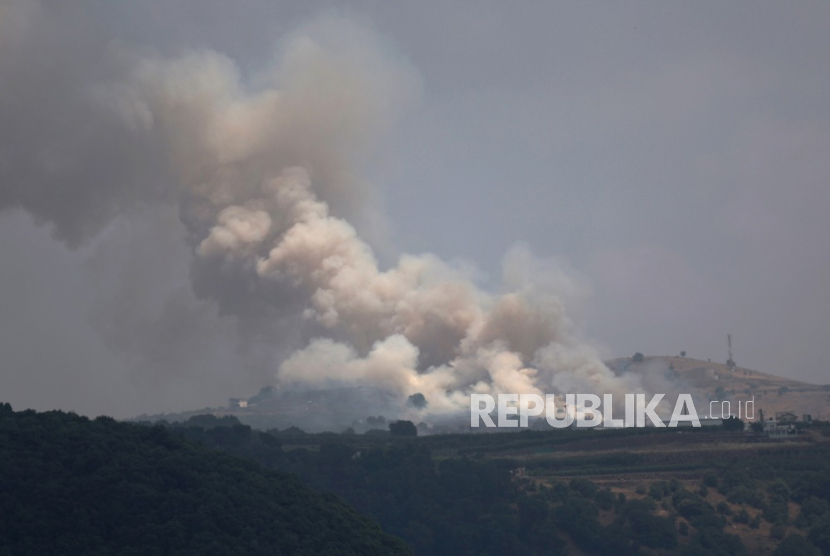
(264,170)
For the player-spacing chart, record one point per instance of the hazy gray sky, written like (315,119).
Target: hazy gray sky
(673,157)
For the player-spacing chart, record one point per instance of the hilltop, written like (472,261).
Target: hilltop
(715,381)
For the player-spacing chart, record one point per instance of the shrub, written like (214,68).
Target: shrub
(646,528)
(559,492)
(585,487)
(713,542)
(779,488)
(696,509)
(579,518)
(604,499)
(741,517)
(778,531)
(658,490)
(745,495)
(736,477)
(710,479)
(777,511)
(820,534)
(796,545)
(812,508)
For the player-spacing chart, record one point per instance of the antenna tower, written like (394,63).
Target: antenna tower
(730,362)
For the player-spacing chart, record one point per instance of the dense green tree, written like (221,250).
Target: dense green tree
(579,518)
(583,486)
(777,510)
(646,528)
(605,499)
(659,489)
(819,534)
(779,488)
(403,428)
(733,424)
(71,485)
(741,517)
(812,509)
(778,531)
(467,501)
(796,545)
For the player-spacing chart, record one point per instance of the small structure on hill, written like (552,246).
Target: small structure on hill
(775,429)
(785,417)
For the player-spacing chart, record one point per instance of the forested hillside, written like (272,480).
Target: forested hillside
(70,485)
(628,492)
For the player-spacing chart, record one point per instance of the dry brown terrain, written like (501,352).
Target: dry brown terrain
(715,381)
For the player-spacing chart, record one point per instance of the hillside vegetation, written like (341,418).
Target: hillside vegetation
(71,485)
(640,491)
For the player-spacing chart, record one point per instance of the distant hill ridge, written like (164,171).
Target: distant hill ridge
(772,394)
(335,409)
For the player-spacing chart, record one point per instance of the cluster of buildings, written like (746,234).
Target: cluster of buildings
(783,424)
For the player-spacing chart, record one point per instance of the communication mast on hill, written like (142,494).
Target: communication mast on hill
(730,362)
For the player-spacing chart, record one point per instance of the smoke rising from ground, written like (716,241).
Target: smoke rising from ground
(264,171)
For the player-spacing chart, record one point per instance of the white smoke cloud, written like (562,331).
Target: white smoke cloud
(266,171)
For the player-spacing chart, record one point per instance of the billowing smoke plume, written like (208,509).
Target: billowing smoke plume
(265,172)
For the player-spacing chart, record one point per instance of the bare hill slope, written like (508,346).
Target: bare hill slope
(715,381)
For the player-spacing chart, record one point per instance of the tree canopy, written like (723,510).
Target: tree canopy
(72,485)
